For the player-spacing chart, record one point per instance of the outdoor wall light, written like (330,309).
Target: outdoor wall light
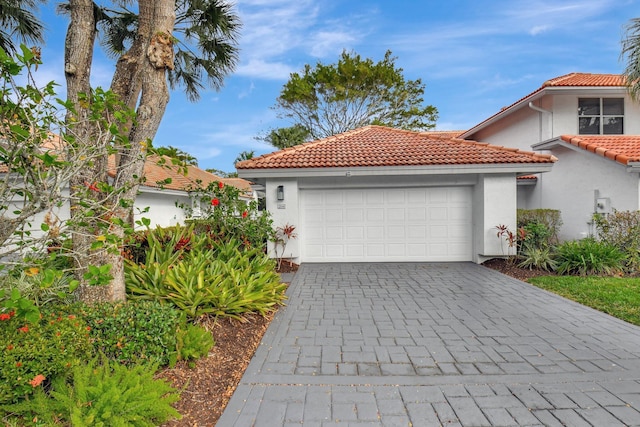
(280,193)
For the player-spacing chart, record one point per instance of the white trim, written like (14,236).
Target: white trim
(520,168)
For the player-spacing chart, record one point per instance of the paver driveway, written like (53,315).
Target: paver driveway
(436,344)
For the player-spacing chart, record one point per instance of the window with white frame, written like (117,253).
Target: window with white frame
(600,116)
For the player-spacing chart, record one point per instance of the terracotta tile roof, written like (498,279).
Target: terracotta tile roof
(567,80)
(444,133)
(528,177)
(159,168)
(587,79)
(621,148)
(383,146)
(154,172)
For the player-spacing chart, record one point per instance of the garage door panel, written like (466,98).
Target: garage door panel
(416,224)
(355,233)
(394,196)
(417,214)
(331,215)
(395,214)
(375,233)
(375,214)
(355,215)
(334,233)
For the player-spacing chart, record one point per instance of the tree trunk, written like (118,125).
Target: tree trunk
(146,77)
(139,81)
(79,46)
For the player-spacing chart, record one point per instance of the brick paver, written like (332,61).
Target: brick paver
(412,344)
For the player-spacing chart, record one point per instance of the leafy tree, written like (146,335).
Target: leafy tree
(282,138)
(330,99)
(631,50)
(175,153)
(17,20)
(37,157)
(150,58)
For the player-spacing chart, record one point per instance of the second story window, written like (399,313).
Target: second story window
(600,116)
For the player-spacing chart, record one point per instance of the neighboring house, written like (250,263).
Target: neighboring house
(592,126)
(165,201)
(383,194)
(161,203)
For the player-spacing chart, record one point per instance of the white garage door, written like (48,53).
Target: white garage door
(414,224)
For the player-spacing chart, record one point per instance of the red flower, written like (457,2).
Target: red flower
(244,214)
(37,380)
(91,187)
(24,329)
(5,316)
(215,202)
(10,347)
(221,185)
(18,364)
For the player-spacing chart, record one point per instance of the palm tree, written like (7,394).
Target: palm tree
(245,155)
(206,45)
(17,20)
(631,50)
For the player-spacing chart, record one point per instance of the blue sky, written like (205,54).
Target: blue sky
(475,56)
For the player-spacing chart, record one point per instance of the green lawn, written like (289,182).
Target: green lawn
(619,297)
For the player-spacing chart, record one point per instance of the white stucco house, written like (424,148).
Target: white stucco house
(592,126)
(381,194)
(164,201)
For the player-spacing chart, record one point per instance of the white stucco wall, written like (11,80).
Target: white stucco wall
(494,203)
(285,212)
(578,178)
(163,211)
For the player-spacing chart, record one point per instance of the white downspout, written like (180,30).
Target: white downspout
(541,110)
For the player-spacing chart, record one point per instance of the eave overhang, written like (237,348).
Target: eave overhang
(515,168)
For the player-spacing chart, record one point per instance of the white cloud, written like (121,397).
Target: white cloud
(276,32)
(538,29)
(247,91)
(261,69)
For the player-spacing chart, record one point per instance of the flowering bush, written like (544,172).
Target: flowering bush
(223,215)
(35,352)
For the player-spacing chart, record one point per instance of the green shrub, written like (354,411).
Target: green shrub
(33,352)
(193,342)
(550,218)
(622,230)
(588,256)
(42,287)
(134,332)
(537,257)
(536,235)
(223,281)
(103,394)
